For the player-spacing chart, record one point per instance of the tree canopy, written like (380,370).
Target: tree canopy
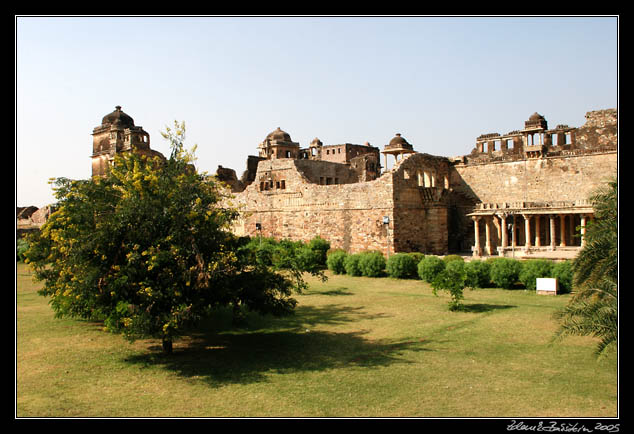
(148,249)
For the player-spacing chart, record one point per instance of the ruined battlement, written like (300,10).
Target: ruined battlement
(536,140)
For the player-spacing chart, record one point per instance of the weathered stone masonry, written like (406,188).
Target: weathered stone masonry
(524,191)
(531,200)
(286,200)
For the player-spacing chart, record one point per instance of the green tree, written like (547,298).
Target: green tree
(148,250)
(593,310)
(452,279)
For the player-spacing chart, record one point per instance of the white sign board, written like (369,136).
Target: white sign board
(546,285)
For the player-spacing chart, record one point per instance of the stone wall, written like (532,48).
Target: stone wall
(350,215)
(31,218)
(600,131)
(426,198)
(560,178)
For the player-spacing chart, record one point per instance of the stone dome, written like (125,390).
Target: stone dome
(399,142)
(118,117)
(536,121)
(279,135)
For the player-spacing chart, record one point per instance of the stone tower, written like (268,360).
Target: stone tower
(117,133)
(278,144)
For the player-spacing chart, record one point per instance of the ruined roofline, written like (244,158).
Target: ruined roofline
(536,140)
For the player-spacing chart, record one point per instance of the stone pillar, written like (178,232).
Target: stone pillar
(505,237)
(476,246)
(562,230)
(583,230)
(527,231)
(538,240)
(487,230)
(552,232)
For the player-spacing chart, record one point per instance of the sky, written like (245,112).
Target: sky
(439,81)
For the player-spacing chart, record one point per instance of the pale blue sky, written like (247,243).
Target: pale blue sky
(439,81)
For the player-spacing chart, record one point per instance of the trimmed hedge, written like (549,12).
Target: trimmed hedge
(448,258)
(335,261)
(505,272)
(372,264)
(401,266)
(351,265)
(430,267)
(562,271)
(417,257)
(533,269)
(478,273)
(500,272)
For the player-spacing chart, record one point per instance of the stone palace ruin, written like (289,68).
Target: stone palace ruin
(524,193)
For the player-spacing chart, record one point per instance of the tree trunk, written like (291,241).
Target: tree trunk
(167,346)
(239,318)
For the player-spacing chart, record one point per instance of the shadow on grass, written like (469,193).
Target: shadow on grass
(338,291)
(219,354)
(484,307)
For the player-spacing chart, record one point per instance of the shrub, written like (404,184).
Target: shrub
(282,253)
(451,278)
(320,247)
(401,266)
(562,271)
(335,261)
(478,273)
(263,250)
(429,267)
(287,254)
(351,265)
(22,246)
(417,257)
(449,258)
(372,264)
(533,269)
(308,259)
(505,272)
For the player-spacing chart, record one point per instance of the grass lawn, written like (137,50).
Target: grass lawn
(356,347)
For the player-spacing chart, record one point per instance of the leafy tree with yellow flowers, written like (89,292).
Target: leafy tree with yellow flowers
(147,249)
